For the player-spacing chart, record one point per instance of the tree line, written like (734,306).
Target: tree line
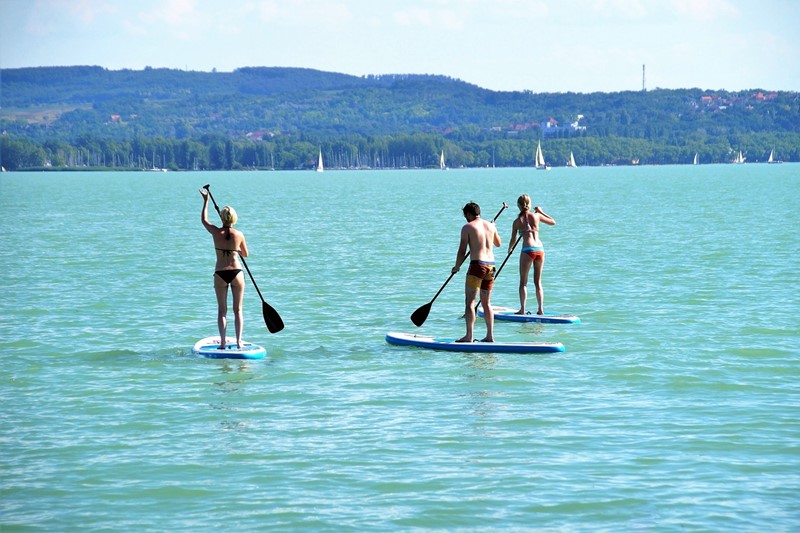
(216,152)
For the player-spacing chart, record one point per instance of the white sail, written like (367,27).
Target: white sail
(696,159)
(571,161)
(539,162)
(772,159)
(441,161)
(320,168)
(739,158)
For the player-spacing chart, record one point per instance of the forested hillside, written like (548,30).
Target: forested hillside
(57,117)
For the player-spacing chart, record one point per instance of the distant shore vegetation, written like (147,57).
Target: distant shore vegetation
(83,118)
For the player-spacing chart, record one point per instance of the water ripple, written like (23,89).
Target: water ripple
(674,406)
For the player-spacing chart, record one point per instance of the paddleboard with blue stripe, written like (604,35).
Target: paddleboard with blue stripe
(509,314)
(450,344)
(209,347)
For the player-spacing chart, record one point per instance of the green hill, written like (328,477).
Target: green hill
(281,117)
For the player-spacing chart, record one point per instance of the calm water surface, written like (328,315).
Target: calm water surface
(675,406)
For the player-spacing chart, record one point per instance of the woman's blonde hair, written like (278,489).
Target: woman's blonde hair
(524,202)
(228,216)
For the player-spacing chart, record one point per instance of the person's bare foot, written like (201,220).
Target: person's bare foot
(520,312)
(487,339)
(464,339)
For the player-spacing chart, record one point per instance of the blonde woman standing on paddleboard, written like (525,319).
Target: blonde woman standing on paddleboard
(532,254)
(229,245)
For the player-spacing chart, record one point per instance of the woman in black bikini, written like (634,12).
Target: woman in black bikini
(229,245)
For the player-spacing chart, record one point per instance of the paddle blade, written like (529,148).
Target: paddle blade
(419,316)
(271,318)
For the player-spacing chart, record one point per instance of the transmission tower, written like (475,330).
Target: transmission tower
(644,87)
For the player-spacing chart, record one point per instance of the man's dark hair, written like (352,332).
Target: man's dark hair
(472,209)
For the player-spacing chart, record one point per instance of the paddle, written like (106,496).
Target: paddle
(271,317)
(506,259)
(419,316)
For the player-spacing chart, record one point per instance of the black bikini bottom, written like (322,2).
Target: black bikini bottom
(228,275)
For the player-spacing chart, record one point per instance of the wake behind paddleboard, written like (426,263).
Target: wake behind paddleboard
(209,347)
(426,341)
(509,314)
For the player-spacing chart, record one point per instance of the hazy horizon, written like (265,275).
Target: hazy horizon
(541,46)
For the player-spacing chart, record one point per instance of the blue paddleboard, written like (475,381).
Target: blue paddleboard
(209,347)
(509,314)
(426,341)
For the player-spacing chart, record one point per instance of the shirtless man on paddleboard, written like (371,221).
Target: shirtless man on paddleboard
(480,236)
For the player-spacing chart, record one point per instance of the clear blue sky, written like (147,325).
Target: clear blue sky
(509,45)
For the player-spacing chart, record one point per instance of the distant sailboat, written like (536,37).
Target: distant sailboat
(155,168)
(320,168)
(739,158)
(696,159)
(441,161)
(539,163)
(571,161)
(772,159)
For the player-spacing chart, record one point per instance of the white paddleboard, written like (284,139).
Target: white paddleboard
(209,347)
(510,314)
(449,344)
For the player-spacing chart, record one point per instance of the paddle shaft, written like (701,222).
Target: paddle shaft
(507,257)
(271,317)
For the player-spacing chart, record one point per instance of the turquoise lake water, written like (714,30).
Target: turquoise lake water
(675,406)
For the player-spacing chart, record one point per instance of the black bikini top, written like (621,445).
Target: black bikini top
(225,251)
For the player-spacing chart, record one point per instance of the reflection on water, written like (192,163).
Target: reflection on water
(238,373)
(236,365)
(478,375)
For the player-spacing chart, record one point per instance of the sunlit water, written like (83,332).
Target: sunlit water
(674,407)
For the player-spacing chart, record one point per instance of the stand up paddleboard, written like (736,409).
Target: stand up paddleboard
(209,347)
(450,345)
(509,314)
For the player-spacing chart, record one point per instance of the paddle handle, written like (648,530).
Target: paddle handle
(505,206)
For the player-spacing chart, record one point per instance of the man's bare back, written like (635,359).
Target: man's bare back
(480,237)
